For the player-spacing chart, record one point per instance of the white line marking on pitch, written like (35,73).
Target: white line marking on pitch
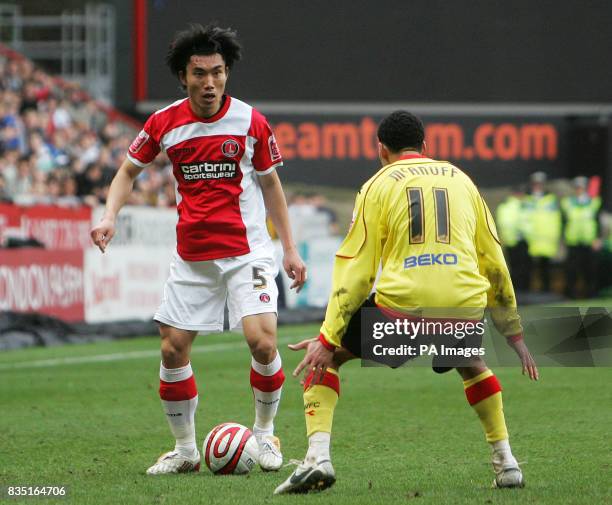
(123,356)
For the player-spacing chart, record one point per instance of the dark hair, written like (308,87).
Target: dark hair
(401,130)
(203,40)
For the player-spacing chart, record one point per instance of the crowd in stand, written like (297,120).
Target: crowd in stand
(58,146)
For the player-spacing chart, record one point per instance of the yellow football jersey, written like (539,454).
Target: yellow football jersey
(425,223)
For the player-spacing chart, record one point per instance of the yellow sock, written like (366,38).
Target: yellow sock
(320,401)
(483,393)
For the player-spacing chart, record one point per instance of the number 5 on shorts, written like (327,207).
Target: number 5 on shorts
(259,281)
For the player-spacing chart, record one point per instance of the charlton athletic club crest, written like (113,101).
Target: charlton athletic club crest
(264,297)
(230,148)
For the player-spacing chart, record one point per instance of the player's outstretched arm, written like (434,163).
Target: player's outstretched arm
(119,191)
(355,266)
(501,299)
(276,205)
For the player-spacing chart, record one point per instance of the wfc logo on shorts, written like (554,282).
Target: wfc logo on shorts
(205,170)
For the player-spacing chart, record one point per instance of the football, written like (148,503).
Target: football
(230,448)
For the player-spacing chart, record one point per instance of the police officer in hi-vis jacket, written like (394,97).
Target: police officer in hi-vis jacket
(581,232)
(511,227)
(542,228)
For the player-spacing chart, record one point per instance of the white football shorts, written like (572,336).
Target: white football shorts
(196,291)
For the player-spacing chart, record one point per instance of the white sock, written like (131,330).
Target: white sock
(266,381)
(502,454)
(179,384)
(318,446)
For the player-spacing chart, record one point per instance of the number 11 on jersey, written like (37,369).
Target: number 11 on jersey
(416,215)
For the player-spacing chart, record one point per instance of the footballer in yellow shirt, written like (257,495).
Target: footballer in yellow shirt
(424,225)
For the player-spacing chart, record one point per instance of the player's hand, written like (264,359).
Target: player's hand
(318,359)
(527,361)
(299,346)
(103,233)
(295,268)
(597,245)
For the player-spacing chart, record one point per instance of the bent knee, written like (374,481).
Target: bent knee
(263,349)
(174,354)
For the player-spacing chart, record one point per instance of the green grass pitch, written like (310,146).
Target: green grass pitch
(88,416)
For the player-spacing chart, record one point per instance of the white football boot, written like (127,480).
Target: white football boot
(309,477)
(270,456)
(509,477)
(173,462)
(507,471)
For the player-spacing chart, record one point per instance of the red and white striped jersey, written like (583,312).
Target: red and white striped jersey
(215,162)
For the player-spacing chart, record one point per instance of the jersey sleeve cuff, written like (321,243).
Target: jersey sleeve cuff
(269,170)
(514,338)
(137,162)
(329,346)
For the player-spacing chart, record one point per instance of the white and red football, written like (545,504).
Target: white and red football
(230,448)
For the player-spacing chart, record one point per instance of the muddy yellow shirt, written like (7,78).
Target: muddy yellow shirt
(425,223)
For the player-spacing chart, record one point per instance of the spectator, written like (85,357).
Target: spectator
(90,180)
(110,132)
(54,188)
(582,237)
(89,148)
(167,195)
(321,205)
(39,193)
(12,79)
(4,194)
(8,168)
(9,128)
(301,213)
(59,114)
(32,122)
(68,193)
(24,179)
(510,224)
(543,228)
(29,99)
(59,146)
(42,152)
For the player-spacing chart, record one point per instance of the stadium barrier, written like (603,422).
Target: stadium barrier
(56,228)
(318,254)
(43,281)
(68,278)
(125,282)
(142,226)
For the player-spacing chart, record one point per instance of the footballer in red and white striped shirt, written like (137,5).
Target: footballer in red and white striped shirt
(224,158)
(216,162)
